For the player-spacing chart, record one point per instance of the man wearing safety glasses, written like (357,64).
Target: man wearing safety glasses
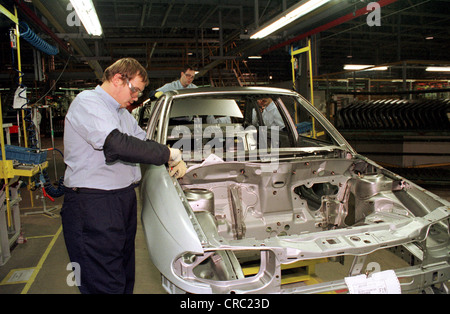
(103,147)
(186,78)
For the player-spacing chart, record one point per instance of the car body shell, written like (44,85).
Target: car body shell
(318,202)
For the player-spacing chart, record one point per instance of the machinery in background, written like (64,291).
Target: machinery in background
(410,137)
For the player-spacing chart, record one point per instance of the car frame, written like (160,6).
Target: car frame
(270,220)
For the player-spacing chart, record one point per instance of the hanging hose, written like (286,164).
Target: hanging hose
(27,34)
(48,186)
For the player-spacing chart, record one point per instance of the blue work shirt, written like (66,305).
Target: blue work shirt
(175,85)
(92,115)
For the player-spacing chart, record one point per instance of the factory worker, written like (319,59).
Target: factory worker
(186,78)
(270,114)
(103,146)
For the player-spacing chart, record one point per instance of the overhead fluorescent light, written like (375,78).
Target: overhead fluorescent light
(377,69)
(86,12)
(438,69)
(302,9)
(357,67)
(254,57)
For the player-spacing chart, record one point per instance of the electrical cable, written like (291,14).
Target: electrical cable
(56,81)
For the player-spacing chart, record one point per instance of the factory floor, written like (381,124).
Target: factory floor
(39,264)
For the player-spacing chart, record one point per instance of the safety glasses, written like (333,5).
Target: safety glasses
(134,90)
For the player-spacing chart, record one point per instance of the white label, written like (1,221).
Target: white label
(385,282)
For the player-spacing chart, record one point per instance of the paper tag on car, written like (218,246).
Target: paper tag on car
(385,282)
(210,160)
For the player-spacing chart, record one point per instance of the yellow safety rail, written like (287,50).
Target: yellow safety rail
(293,54)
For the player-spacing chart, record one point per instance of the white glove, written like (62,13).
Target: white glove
(175,157)
(178,170)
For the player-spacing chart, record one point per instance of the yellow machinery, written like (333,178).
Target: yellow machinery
(10,172)
(10,198)
(306,49)
(300,272)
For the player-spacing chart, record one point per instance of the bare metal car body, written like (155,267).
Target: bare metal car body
(311,196)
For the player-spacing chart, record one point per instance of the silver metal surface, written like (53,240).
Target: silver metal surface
(315,199)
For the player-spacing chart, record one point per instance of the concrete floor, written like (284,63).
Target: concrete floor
(39,266)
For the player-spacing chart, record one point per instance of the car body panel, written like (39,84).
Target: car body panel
(167,227)
(311,198)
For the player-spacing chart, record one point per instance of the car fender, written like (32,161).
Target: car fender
(167,227)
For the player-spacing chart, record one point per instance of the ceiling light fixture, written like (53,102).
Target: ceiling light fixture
(357,67)
(86,12)
(438,69)
(299,10)
(377,69)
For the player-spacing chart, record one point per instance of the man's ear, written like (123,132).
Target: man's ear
(117,80)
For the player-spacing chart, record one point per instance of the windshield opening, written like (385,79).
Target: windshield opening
(242,125)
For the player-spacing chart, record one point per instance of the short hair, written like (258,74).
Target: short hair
(128,68)
(188,67)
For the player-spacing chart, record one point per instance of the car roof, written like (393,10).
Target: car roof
(232,89)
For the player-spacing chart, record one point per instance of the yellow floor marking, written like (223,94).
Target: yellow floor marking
(39,237)
(41,262)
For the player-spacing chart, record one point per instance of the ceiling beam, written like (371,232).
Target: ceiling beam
(327,26)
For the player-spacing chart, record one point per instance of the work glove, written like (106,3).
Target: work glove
(153,95)
(175,157)
(179,170)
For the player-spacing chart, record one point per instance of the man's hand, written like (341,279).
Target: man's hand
(177,167)
(175,157)
(179,170)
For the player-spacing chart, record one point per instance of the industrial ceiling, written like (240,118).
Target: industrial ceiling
(165,34)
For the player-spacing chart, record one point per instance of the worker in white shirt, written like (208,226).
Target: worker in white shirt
(270,114)
(186,78)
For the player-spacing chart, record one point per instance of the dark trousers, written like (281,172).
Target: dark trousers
(99,230)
